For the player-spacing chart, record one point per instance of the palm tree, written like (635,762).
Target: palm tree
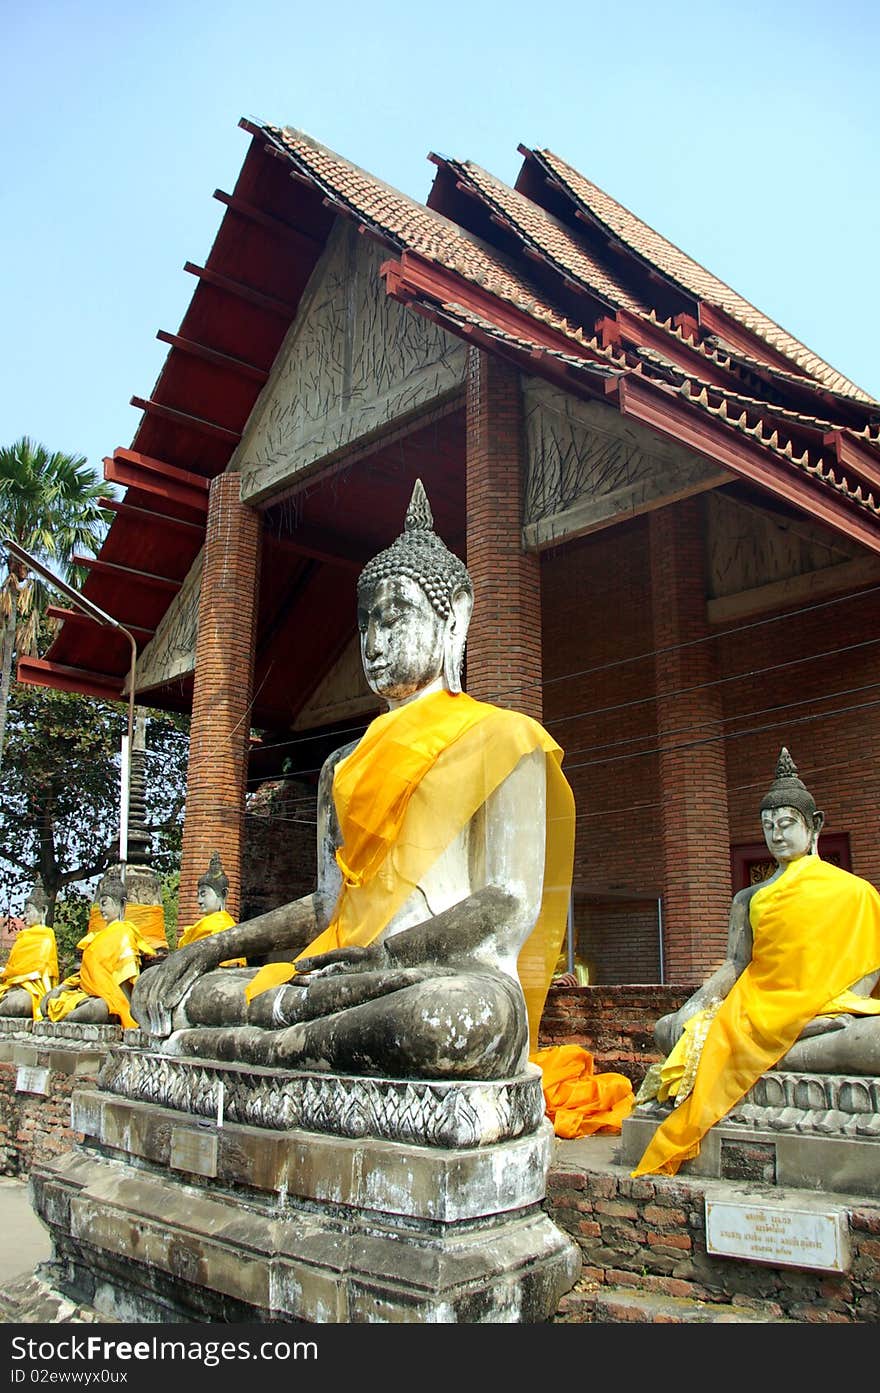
(49,505)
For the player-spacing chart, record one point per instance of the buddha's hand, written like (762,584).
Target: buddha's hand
(351,959)
(821,1025)
(157,992)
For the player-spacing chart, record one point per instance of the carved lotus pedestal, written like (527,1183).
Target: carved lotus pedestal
(213,1192)
(804,1131)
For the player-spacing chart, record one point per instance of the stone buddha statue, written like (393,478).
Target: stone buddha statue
(31,970)
(212,890)
(99,992)
(796,990)
(445,844)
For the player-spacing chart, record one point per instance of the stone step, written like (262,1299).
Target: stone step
(630,1305)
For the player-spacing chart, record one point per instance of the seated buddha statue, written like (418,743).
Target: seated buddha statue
(99,992)
(445,845)
(31,970)
(212,890)
(796,990)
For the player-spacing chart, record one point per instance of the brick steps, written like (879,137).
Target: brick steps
(591,1304)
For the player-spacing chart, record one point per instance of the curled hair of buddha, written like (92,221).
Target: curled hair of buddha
(112,884)
(215,877)
(37,897)
(788,790)
(419,554)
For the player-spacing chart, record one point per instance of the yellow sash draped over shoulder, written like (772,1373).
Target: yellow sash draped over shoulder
(110,956)
(32,964)
(416,778)
(210,924)
(816,931)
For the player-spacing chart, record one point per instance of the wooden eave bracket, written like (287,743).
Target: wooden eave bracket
(643,401)
(130,469)
(39,672)
(76,616)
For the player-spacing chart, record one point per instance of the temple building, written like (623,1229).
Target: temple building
(669,506)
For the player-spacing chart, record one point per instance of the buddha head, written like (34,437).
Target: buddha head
(414,606)
(213,886)
(789,816)
(36,904)
(111,896)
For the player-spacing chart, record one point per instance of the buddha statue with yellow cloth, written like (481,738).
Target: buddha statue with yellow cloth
(445,840)
(99,993)
(797,990)
(31,970)
(212,889)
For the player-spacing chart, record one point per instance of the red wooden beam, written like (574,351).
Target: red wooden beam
(644,402)
(212,356)
(410,277)
(855,457)
(242,291)
(149,517)
(39,672)
(131,469)
(714,321)
(269,221)
(626,328)
(76,616)
(112,568)
(183,418)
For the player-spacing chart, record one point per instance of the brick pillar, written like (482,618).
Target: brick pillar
(220,729)
(504,641)
(693,780)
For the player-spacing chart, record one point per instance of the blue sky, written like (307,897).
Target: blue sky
(748,134)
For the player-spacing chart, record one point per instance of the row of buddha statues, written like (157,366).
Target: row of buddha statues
(120,943)
(445,845)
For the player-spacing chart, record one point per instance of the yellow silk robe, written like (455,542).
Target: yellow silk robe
(415,780)
(816,931)
(206,926)
(148,919)
(32,964)
(110,956)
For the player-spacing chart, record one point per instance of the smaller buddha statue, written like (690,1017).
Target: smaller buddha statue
(213,888)
(796,991)
(99,993)
(31,969)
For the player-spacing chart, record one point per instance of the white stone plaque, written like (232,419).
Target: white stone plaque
(31,1080)
(786,1234)
(194,1151)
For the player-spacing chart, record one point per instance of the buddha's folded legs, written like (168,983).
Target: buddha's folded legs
(467,1025)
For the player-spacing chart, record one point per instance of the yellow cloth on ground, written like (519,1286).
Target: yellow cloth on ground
(418,776)
(213,923)
(110,956)
(148,919)
(578,1102)
(816,931)
(32,964)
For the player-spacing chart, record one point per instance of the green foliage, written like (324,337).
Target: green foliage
(71,924)
(59,792)
(170,894)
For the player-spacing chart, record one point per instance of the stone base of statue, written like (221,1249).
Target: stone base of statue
(215,1192)
(804,1131)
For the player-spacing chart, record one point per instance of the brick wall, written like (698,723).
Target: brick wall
(220,728)
(35,1126)
(504,639)
(615,1024)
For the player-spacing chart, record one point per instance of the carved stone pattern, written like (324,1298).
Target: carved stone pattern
(421,1112)
(827,1105)
(354,360)
(749,548)
(172,650)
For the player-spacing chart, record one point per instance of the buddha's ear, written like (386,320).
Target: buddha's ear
(455,638)
(818,824)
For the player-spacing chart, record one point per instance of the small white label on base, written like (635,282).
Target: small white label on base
(31,1080)
(781,1234)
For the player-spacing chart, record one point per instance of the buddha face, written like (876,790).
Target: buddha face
(209,900)
(110,907)
(31,914)
(402,640)
(787,833)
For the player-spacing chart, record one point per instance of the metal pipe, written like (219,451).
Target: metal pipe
(94,612)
